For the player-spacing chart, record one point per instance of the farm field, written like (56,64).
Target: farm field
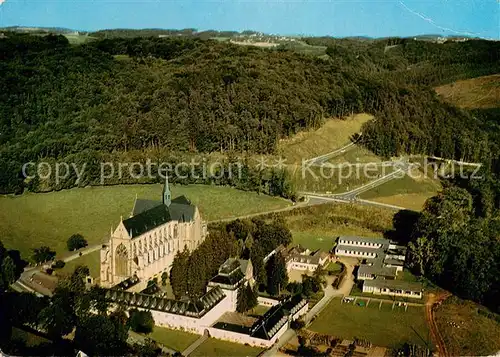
(214,348)
(173,339)
(32,220)
(384,327)
(465,331)
(481,92)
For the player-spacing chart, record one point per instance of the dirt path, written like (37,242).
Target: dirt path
(433,302)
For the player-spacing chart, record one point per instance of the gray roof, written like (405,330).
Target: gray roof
(376,270)
(392,261)
(231,273)
(269,324)
(194,308)
(393,284)
(141,205)
(298,254)
(153,214)
(366,240)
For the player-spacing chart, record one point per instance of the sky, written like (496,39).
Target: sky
(339,18)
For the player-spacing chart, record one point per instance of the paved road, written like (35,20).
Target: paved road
(330,293)
(318,160)
(190,349)
(343,290)
(352,196)
(84,251)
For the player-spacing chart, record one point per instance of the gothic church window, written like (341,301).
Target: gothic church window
(121,260)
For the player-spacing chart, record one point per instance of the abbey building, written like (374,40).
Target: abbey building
(144,245)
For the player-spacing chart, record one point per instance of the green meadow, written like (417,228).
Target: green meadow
(32,220)
(384,327)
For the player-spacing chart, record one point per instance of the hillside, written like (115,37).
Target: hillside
(482,92)
(172,96)
(332,135)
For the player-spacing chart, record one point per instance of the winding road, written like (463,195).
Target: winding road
(319,160)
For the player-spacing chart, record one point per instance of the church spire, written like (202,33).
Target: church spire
(167,199)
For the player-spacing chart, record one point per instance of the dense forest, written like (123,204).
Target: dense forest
(455,243)
(113,97)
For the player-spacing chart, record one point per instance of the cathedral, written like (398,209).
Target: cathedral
(144,245)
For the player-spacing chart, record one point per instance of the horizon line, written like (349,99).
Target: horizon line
(198,31)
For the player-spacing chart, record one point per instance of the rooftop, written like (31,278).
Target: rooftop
(393,284)
(392,261)
(365,240)
(300,254)
(194,308)
(377,270)
(377,251)
(270,323)
(127,283)
(231,272)
(148,214)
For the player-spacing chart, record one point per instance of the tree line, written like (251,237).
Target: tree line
(96,168)
(454,241)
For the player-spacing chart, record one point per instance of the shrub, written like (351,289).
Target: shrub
(76,241)
(59,264)
(141,321)
(297,324)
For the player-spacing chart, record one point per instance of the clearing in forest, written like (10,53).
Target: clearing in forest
(482,92)
(333,134)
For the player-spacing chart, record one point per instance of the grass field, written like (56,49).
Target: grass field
(481,92)
(334,267)
(91,260)
(318,227)
(259,310)
(383,327)
(407,192)
(355,154)
(173,339)
(333,134)
(334,179)
(32,220)
(465,332)
(304,48)
(76,39)
(217,348)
